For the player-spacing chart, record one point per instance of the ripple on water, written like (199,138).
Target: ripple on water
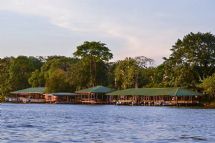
(194,138)
(80,123)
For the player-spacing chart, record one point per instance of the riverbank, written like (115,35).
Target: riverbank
(210,105)
(208,102)
(199,106)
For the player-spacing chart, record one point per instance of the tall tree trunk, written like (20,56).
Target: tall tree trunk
(95,80)
(136,80)
(91,76)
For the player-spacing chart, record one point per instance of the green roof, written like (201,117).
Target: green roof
(39,90)
(156,92)
(63,94)
(96,89)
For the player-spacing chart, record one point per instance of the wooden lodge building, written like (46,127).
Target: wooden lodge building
(105,95)
(61,98)
(28,95)
(37,95)
(155,96)
(94,95)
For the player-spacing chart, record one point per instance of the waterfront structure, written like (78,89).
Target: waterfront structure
(28,95)
(155,96)
(61,98)
(94,95)
(105,95)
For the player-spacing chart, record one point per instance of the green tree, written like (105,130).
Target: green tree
(4,77)
(111,82)
(40,76)
(142,63)
(129,72)
(152,77)
(125,72)
(208,85)
(58,82)
(94,54)
(193,57)
(78,75)
(20,71)
(157,76)
(37,79)
(54,68)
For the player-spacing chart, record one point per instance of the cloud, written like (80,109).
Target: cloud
(83,17)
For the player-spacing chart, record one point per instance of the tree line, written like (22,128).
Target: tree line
(191,64)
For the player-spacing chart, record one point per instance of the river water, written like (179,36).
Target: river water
(45,123)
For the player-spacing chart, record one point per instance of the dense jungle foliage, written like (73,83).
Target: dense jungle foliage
(191,65)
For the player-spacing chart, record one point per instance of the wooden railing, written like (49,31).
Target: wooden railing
(37,100)
(154,102)
(31,100)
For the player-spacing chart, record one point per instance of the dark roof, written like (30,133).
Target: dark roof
(156,92)
(96,89)
(39,90)
(63,94)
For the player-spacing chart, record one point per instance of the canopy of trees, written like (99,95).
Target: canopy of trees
(208,85)
(193,57)
(130,72)
(94,55)
(191,64)
(4,77)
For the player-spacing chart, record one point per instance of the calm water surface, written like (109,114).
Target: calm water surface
(97,124)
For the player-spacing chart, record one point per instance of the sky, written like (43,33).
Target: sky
(130,28)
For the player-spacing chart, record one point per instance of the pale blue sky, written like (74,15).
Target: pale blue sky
(128,27)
